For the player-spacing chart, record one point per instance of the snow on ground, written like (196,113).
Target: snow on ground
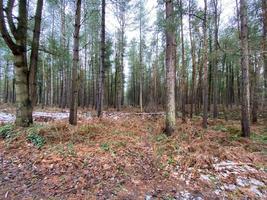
(50,116)
(53,115)
(6,117)
(9,118)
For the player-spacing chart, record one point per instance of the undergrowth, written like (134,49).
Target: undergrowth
(6,131)
(34,137)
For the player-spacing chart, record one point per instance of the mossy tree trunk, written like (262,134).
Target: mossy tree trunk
(19,50)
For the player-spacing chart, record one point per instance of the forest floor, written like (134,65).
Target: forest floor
(125,155)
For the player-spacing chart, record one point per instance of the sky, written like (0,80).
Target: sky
(227,8)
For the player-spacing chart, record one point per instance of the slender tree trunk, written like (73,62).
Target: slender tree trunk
(170,69)
(119,77)
(183,88)
(205,70)
(74,96)
(256,90)
(193,56)
(63,61)
(141,63)
(215,67)
(101,80)
(44,88)
(264,42)
(245,70)
(200,79)
(51,82)
(34,52)
(6,90)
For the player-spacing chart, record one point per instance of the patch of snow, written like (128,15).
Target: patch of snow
(54,115)
(230,187)
(205,177)
(228,168)
(6,117)
(242,182)
(254,190)
(256,182)
(185,195)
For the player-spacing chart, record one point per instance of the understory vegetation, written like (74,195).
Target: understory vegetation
(130,157)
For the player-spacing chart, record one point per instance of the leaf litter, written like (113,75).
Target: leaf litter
(126,156)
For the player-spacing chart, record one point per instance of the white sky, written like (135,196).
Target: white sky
(228,11)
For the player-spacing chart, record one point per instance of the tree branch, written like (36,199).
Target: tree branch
(10,5)
(4,32)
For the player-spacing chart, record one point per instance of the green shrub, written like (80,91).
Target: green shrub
(36,139)
(6,131)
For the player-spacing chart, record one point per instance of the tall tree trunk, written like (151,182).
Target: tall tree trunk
(264,42)
(170,69)
(44,88)
(215,67)
(120,84)
(205,69)
(51,82)
(101,80)
(256,90)
(34,52)
(6,88)
(63,59)
(245,70)
(193,56)
(74,91)
(183,88)
(140,62)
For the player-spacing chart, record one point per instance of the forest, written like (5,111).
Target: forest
(133,99)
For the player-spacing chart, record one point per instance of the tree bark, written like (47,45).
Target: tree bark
(102,62)
(264,42)
(245,70)
(74,96)
(170,69)
(205,70)
(140,62)
(183,81)
(193,56)
(34,52)
(19,50)
(215,66)
(256,90)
